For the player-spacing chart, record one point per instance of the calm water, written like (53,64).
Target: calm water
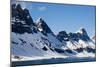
(52,61)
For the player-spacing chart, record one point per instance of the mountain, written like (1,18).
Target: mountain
(34,39)
(78,41)
(83,35)
(21,20)
(62,36)
(27,38)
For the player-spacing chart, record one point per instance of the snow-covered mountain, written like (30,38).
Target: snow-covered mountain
(34,39)
(78,41)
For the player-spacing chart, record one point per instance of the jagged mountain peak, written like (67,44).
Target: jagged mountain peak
(42,26)
(23,15)
(82,34)
(21,20)
(62,36)
(82,31)
(19,6)
(40,19)
(41,22)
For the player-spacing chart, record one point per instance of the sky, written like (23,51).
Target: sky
(63,17)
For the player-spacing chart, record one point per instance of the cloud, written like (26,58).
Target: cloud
(42,8)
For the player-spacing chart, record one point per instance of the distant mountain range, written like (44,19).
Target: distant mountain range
(35,39)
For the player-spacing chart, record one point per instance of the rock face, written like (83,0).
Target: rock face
(43,27)
(63,36)
(32,39)
(79,41)
(21,20)
(82,34)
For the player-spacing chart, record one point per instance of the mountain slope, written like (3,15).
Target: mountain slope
(79,41)
(27,39)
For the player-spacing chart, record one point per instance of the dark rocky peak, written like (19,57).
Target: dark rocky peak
(43,27)
(63,33)
(73,36)
(21,20)
(17,11)
(83,31)
(40,22)
(26,11)
(82,34)
(27,17)
(21,14)
(18,7)
(62,36)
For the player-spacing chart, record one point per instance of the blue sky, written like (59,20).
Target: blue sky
(61,17)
